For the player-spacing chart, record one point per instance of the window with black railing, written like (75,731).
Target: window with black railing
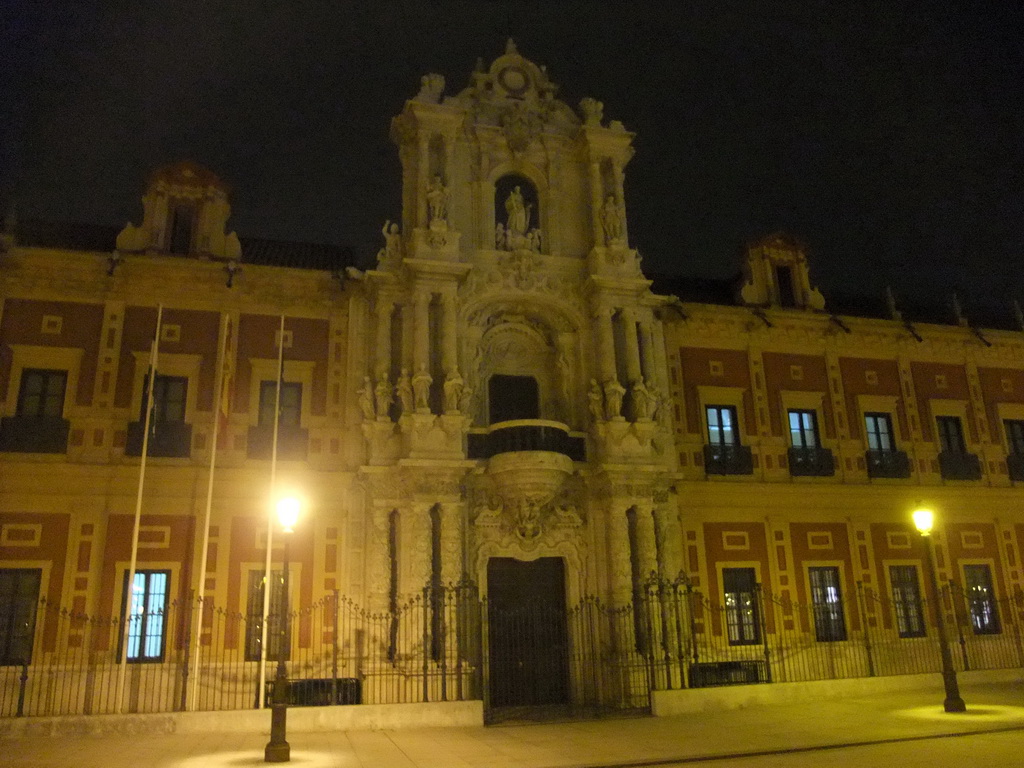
(739,586)
(806,455)
(882,457)
(292,439)
(723,454)
(955,462)
(906,600)
(981,600)
(38,425)
(169,434)
(1015,446)
(827,604)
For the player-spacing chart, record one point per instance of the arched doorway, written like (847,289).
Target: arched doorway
(528,645)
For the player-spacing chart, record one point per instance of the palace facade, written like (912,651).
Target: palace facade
(700,484)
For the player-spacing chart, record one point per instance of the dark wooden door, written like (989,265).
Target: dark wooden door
(528,642)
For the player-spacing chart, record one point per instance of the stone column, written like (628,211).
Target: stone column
(416,546)
(378,558)
(620,572)
(421,323)
(661,374)
(596,198)
(449,348)
(422,180)
(383,350)
(628,317)
(669,538)
(606,358)
(451,543)
(646,544)
(620,195)
(647,360)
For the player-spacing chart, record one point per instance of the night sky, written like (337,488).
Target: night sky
(886,135)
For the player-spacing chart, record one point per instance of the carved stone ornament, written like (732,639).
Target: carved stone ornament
(521,125)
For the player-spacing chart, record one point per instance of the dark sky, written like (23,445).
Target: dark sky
(886,135)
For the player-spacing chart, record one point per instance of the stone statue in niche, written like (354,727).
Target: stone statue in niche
(500,239)
(518,222)
(392,250)
(382,394)
(595,398)
(453,391)
(365,393)
(642,401)
(613,394)
(421,382)
(437,204)
(403,391)
(611,221)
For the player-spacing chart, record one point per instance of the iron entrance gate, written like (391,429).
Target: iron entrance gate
(527,638)
(554,658)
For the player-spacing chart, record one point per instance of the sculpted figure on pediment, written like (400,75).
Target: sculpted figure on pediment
(613,394)
(403,391)
(421,382)
(383,396)
(365,394)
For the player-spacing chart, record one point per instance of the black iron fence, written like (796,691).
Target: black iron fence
(760,637)
(448,644)
(338,653)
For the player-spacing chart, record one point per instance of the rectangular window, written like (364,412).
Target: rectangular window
(42,393)
(169,393)
(951,434)
(803,428)
(878,427)
(906,600)
(827,603)
(981,599)
(146,618)
(19,596)
(254,616)
(1015,436)
(291,403)
(741,617)
(722,429)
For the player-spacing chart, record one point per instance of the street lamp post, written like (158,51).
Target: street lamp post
(278,750)
(924,519)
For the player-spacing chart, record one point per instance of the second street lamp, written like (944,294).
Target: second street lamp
(924,519)
(278,750)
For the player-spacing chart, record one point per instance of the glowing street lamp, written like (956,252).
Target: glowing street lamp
(278,750)
(924,520)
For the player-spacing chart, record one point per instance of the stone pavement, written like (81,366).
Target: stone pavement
(776,735)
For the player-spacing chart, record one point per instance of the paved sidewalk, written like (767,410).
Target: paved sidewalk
(772,732)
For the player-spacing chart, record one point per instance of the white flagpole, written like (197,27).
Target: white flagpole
(270,520)
(129,597)
(224,365)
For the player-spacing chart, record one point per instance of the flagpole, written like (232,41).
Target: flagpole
(218,403)
(129,597)
(270,520)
